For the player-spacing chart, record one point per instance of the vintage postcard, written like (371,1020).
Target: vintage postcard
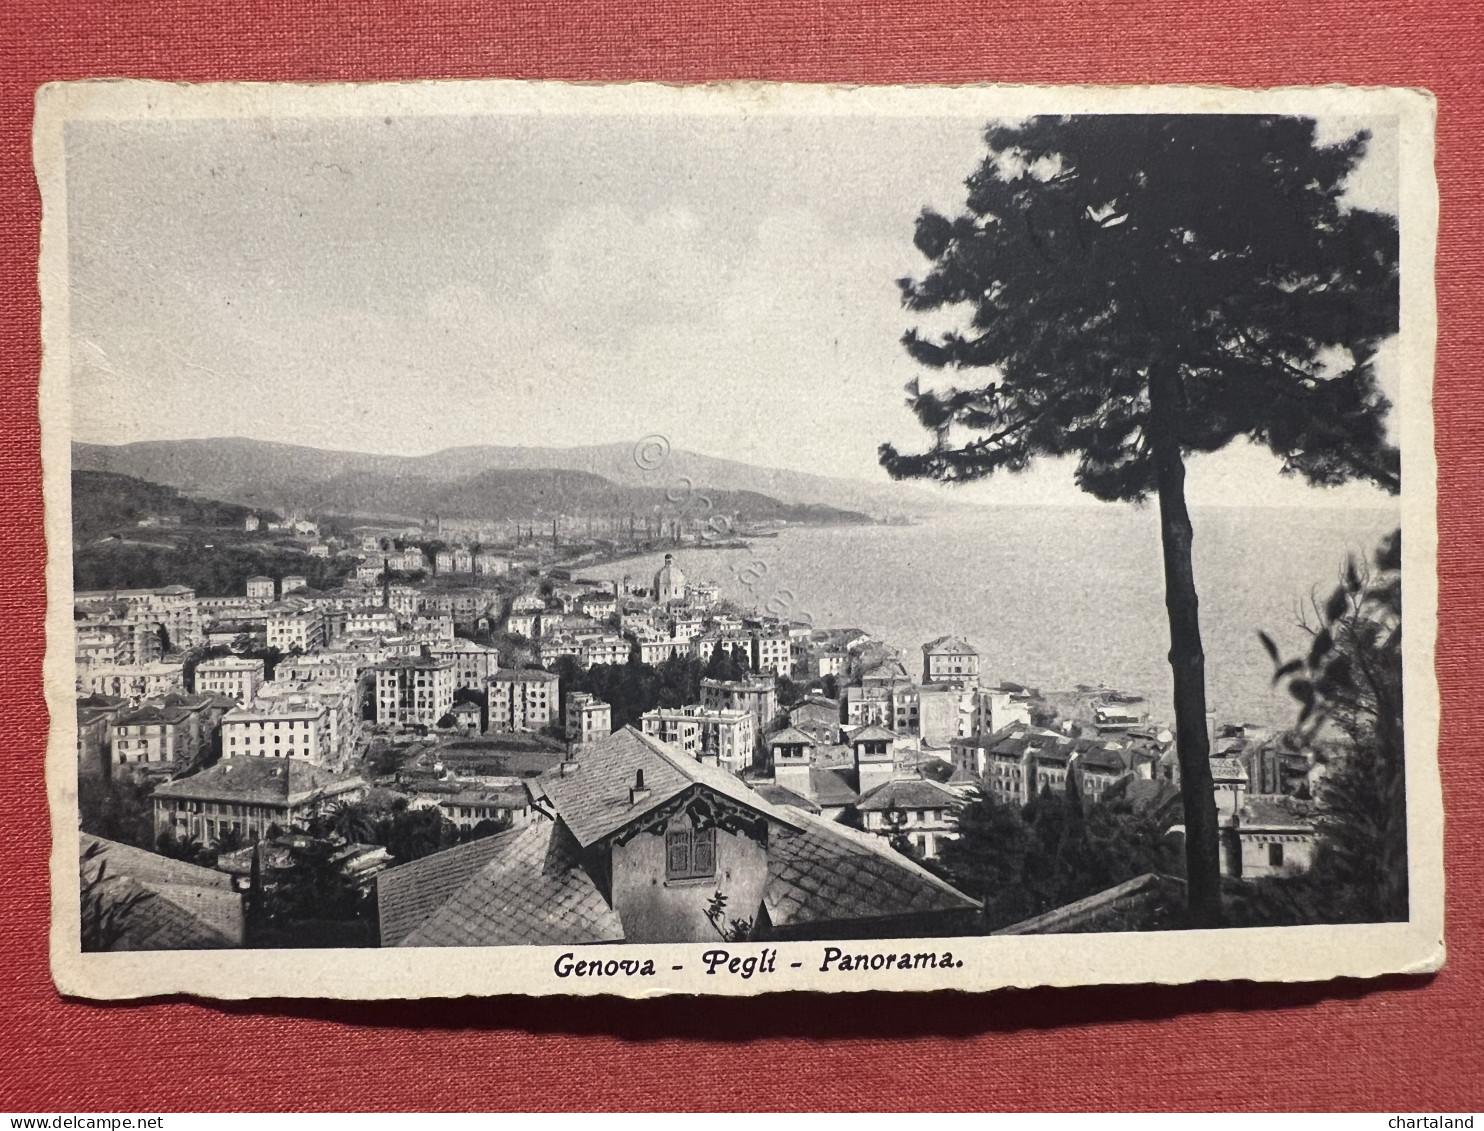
(521,538)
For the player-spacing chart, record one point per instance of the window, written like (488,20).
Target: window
(690,854)
(1275,855)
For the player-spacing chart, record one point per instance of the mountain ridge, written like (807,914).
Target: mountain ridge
(274,474)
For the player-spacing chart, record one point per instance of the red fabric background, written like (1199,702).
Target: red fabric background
(1397,1044)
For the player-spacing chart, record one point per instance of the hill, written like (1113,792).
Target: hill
(104,502)
(286,478)
(260,473)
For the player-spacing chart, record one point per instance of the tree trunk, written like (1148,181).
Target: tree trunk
(1187,658)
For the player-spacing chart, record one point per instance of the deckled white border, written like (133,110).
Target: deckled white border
(1259,954)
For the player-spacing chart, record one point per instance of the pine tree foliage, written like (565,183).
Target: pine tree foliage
(1350,682)
(1140,288)
(1095,247)
(1023,861)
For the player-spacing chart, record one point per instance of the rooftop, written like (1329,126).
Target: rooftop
(950,645)
(1228,769)
(790,736)
(153,715)
(527,675)
(827,872)
(833,786)
(180,906)
(593,800)
(418,663)
(776,794)
(1258,813)
(910,793)
(818,702)
(520,887)
(275,781)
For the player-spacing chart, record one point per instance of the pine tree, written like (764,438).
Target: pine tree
(1351,679)
(1146,287)
(988,859)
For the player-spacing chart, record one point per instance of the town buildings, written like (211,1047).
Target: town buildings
(299,630)
(587,717)
(918,810)
(133,681)
(236,677)
(875,756)
(96,715)
(341,701)
(522,700)
(293,727)
(772,651)
(634,841)
(170,613)
(154,736)
(817,717)
(949,659)
(472,805)
(369,619)
(758,697)
(248,796)
(473,663)
(413,690)
(774,846)
(723,736)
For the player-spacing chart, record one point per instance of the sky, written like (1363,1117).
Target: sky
(403,285)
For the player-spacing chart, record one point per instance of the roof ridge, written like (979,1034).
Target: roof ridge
(883,849)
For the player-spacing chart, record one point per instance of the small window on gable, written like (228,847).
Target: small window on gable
(690,854)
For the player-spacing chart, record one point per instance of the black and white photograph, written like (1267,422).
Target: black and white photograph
(636,539)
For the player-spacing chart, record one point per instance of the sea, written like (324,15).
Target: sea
(1056,597)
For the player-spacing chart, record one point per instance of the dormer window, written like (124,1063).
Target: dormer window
(690,854)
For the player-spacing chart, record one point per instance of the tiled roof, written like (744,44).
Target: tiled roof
(152,715)
(1154,796)
(467,794)
(157,922)
(779,795)
(872,733)
(151,867)
(179,907)
(831,874)
(101,701)
(838,756)
(832,786)
(526,676)
(1228,769)
(819,702)
(532,892)
(265,780)
(1258,813)
(1100,758)
(1134,904)
(407,895)
(593,800)
(419,663)
(910,793)
(791,736)
(950,645)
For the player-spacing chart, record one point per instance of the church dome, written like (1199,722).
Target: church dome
(669,582)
